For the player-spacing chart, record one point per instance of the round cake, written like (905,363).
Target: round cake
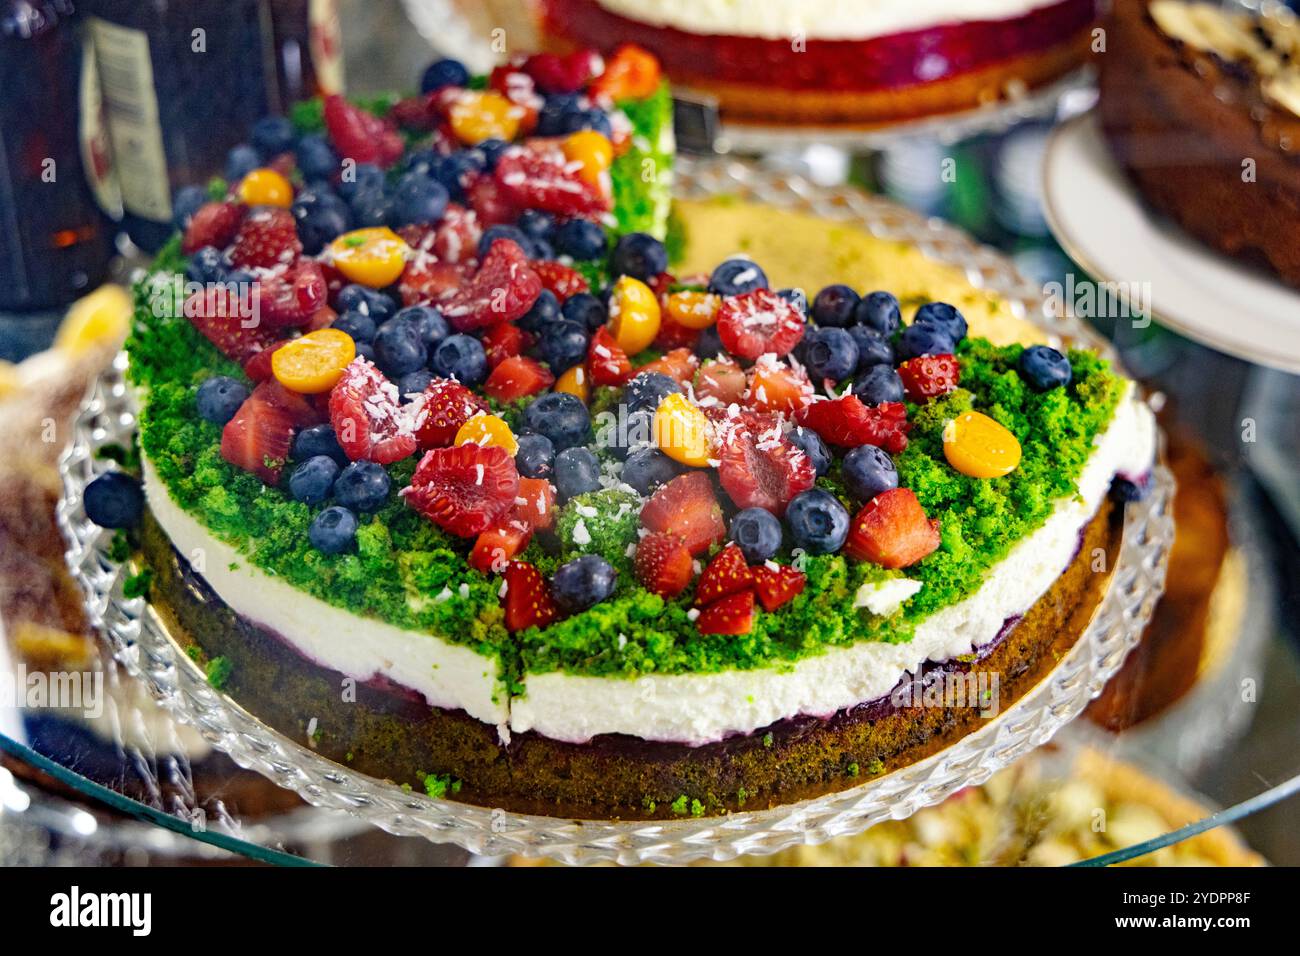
(854,62)
(1201,106)
(565,518)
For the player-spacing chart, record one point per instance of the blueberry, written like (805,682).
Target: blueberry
(321,216)
(583,582)
(369,301)
(562,418)
(818,522)
(317,440)
(413,383)
(492,233)
(867,471)
(418,200)
(428,320)
(333,530)
(576,472)
(553,117)
(877,385)
(709,344)
(207,265)
(535,223)
(586,310)
(366,351)
(737,276)
(918,340)
(834,306)
(811,444)
(639,255)
(362,486)
(241,161)
(542,313)
(648,468)
(1044,368)
(830,353)
(316,157)
(797,298)
(114,500)
(541,249)
(571,121)
(399,348)
(628,433)
(371,209)
(460,357)
(442,73)
(535,457)
(873,348)
(356,324)
(563,345)
(186,203)
(580,238)
(273,135)
(492,149)
(453,172)
(758,533)
(363,178)
(219,398)
(646,390)
(312,480)
(879,311)
(943,316)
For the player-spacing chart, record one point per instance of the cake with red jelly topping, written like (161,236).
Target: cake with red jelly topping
(858,62)
(452,464)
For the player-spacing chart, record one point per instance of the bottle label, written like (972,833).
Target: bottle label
(131,111)
(96,150)
(326,43)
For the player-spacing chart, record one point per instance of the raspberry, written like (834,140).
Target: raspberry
(465,489)
(929,376)
(367,416)
(441,410)
(292,300)
(503,290)
(360,135)
(426,280)
(490,202)
(213,224)
(531,179)
(848,423)
(763,471)
(267,238)
(758,322)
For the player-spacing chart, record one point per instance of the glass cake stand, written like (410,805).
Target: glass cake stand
(140,642)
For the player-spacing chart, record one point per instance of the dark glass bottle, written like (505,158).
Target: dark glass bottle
(55,242)
(307,50)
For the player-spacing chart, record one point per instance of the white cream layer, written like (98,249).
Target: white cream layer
(448,675)
(815,19)
(700,708)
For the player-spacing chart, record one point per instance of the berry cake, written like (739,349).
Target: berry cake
(856,62)
(520,516)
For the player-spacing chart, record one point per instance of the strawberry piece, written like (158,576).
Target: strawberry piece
(465,489)
(528,598)
(504,341)
(674,335)
(731,615)
(257,439)
(607,363)
(258,368)
(929,376)
(268,237)
(361,135)
(494,548)
(726,574)
(367,415)
(443,408)
(516,377)
(679,365)
(213,224)
(322,318)
(777,586)
(759,322)
(559,278)
(687,507)
(292,300)
(849,423)
(776,387)
(503,290)
(761,471)
(302,409)
(663,564)
(536,503)
(426,280)
(892,530)
(491,204)
(416,112)
(228,318)
(456,236)
(531,179)
(564,74)
(721,382)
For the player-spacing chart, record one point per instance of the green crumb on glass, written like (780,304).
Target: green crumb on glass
(128,458)
(768,739)
(348,756)
(120,547)
(137,585)
(194,653)
(697,808)
(741,796)
(218,672)
(852,770)
(649,804)
(217,189)
(438,785)
(875,766)
(681,806)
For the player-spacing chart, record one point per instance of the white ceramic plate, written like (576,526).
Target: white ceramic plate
(1098,217)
